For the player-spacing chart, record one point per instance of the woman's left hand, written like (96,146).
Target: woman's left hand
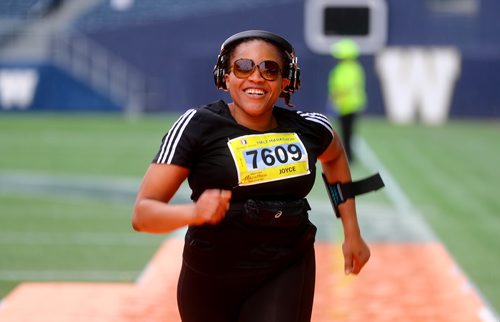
(356,254)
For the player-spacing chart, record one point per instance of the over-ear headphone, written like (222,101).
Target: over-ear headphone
(282,43)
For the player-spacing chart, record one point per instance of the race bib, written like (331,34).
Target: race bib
(261,158)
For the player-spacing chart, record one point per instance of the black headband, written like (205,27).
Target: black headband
(278,40)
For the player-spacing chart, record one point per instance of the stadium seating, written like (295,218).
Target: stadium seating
(141,11)
(16,8)
(13,15)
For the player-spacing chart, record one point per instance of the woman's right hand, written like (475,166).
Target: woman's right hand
(211,206)
(153,212)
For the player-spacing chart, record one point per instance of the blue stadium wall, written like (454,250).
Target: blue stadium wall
(180,54)
(55,90)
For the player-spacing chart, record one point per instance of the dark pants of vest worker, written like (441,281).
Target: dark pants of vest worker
(347,123)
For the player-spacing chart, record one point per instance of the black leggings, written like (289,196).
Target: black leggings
(283,296)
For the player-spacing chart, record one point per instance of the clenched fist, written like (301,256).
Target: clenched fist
(211,207)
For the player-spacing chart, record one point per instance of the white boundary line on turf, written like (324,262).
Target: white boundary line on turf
(405,208)
(392,188)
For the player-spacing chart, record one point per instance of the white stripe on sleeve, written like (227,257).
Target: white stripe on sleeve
(169,145)
(317,118)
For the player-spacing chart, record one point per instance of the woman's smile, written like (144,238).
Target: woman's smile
(255,91)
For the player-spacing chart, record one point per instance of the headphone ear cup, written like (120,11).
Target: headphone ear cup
(294,78)
(219,73)
(220,83)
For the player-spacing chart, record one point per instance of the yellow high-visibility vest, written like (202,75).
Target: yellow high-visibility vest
(346,85)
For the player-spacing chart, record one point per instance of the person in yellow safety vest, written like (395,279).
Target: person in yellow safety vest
(346,88)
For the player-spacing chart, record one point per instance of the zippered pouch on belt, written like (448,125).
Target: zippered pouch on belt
(275,213)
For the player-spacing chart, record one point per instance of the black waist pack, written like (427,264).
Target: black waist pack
(275,213)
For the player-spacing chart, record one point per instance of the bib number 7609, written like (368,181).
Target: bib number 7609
(271,156)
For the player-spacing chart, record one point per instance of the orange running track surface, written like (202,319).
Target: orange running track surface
(402,282)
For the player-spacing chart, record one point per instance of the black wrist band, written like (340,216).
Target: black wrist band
(340,192)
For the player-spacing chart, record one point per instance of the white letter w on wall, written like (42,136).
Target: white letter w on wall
(418,82)
(17,87)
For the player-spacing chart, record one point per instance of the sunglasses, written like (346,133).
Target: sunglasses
(268,69)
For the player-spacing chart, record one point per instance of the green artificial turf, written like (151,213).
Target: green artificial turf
(449,173)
